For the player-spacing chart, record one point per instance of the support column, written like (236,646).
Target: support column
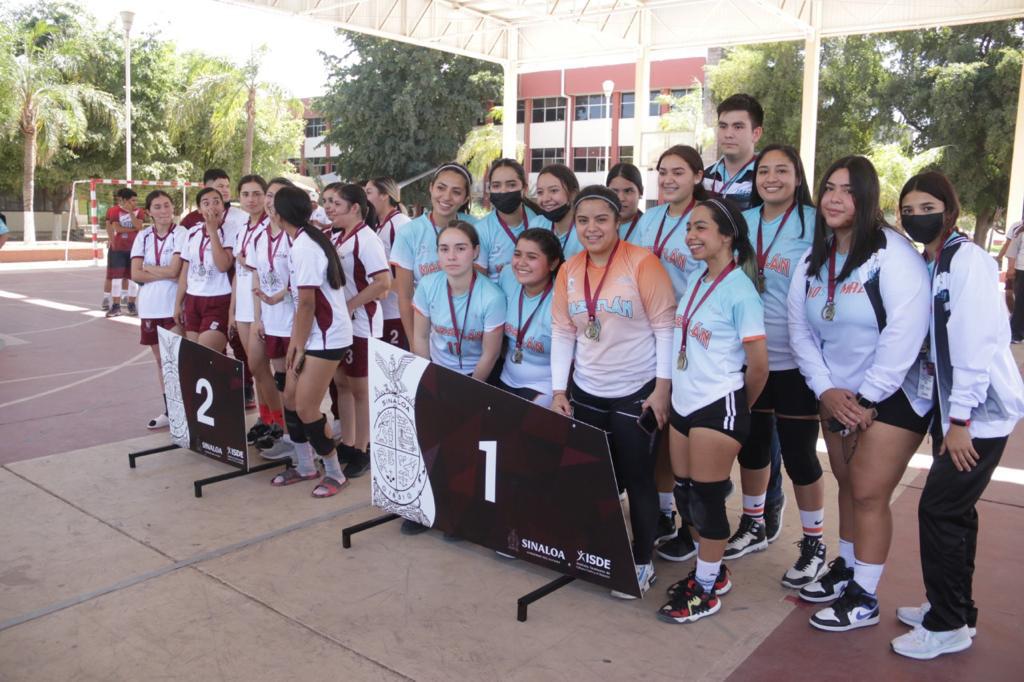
(642,94)
(509,143)
(809,105)
(1015,200)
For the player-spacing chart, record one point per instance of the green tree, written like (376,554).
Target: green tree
(686,114)
(399,110)
(49,104)
(895,165)
(484,144)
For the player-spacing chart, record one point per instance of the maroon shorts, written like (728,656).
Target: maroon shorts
(150,337)
(354,363)
(394,333)
(276,346)
(204,313)
(119,265)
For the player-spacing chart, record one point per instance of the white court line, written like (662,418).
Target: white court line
(10,294)
(123,319)
(64,374)
(105,372)
(55,305)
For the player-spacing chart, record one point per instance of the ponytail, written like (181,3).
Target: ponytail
(293,207)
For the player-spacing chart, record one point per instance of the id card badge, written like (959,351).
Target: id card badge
(926,380)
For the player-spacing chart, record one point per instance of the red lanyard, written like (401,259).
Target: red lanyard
(659,244)
(276,243)
(762,253)
(387,220)
(460,332)
(508,230)
(564,241)
(735,177)
(632,226)
(828,313)
(687,315)
(203,241)
(521,331)
(591,301)
(160,242)
(250,233)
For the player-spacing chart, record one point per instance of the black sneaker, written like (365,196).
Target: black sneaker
(809,564)
(679,548)
(413,528)
(690,605)
(132,310)
(773,517)
(830,585)
(749,537)
(666,527)
(855,609)
(115,310)
(258,430)
(358,464)
(344,453)
(271,435)
(722,583)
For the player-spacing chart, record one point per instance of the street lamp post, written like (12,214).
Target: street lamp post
(126,18)
(608,86)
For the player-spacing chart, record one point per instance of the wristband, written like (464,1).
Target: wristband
(959,422)
(865,403)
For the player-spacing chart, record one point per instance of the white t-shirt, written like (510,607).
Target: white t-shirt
(1016,250)
(156,299)
(204,279)
(268,258)
(388,231)
(243,277)
(362,256)
(307,265)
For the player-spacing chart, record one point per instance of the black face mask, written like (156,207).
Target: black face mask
(923,228)
(557,214)
(507,202)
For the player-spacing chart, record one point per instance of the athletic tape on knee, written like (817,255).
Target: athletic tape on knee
(294,425)
(321,442)
(756,451)
(682,493)
(799,441)
(279,378)
(707,507)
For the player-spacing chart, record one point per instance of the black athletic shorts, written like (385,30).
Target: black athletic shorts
(328,354)
(728,415)
(896,410)
(787,393)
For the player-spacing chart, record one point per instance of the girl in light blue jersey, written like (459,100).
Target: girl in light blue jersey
(663,228)
(414,251)
(460,314)
(557,188)
(513,213)
(527,284)
(627,182)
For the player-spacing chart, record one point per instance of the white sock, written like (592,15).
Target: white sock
(667,502)
(133,289)
(115,290)
(867,575)
(707,573)
(813,522)
(106,297)
(846,552)
(753,506)
(305,464)
(332,467)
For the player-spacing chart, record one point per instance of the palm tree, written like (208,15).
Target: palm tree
(47,108)
(483,145)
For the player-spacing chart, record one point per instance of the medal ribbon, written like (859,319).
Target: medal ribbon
(521,331)
(687,315)
(659,244)
(591,301)
(250,233)
(831,275)
(733,179)
(459,333)
(762,255)
(342,237)
(276,243)
(632,226)
(160,242)
(508,230)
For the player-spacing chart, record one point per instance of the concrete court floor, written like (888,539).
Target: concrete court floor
(108,573)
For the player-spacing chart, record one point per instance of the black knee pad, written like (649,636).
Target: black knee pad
(681,491)
(756,451)
(707,509)
(321,442)
(799,441)
(279,381)
(294,425)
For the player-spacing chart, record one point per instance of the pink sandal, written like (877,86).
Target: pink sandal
(290,476)
(332,486)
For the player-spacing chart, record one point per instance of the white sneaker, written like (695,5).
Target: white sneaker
(924,644)
(282,449)
(914,617)
(160,422)
(645,576)
(809,565)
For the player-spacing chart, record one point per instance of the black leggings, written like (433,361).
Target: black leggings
(633,456)
(798,439)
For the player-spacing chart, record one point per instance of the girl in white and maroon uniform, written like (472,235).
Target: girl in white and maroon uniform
(367,280)
(204,289)
(383,195)
(273,312)
(155,266)
(321,333)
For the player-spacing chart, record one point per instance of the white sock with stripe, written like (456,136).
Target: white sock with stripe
(753,506)
(813,522)
(707,573)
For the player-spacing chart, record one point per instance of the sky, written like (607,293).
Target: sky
(292,62)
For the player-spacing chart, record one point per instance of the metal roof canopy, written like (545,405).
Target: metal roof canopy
(536,35)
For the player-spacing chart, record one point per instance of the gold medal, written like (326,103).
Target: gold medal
(517,356)
(828,313)
(681,360)
(593,330)
(761,286)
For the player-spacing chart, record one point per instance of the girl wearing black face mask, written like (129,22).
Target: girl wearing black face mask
(979,396)
(513,214)
(557,188)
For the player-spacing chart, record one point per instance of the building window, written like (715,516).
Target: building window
(628,105)
(548,109)
(521,111)
(588,160)
(318,165)
(656,99)
(315,127)
(589,107)
(626,154)
(545,155)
